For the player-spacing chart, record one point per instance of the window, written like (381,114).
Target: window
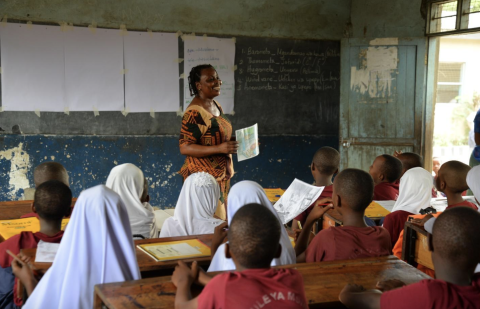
(453,16)
(449,81)
(443,16)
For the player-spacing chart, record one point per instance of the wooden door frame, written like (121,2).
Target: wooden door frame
(419,145)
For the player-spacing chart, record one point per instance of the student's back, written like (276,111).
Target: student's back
(385,171)
(52,202)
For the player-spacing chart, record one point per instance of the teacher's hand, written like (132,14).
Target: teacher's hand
(228,147)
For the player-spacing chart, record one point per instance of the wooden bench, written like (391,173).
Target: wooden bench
(11,210)
(323,283)
(415,246)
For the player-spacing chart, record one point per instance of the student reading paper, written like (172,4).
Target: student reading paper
(97,248)
(195,208)
(254,284)
(455,254)
(241,194)
(127,180)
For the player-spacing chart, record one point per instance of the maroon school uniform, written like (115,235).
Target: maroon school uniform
(385,191)
(464,204)
(29,215)
(327,192)
(348,243)
(24,240)
(255,288)
(395,222)
(434,294)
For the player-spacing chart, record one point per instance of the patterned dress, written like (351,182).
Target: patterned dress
(202,128)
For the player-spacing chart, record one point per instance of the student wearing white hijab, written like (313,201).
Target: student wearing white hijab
(128,181)
(241,194)
(97,248)
(195,208)
(415,193)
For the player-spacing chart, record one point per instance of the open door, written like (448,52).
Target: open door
(382,107)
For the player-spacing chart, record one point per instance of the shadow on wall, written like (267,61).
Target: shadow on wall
(89,160)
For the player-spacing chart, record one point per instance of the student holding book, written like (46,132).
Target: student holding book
(97,248)
(254,284)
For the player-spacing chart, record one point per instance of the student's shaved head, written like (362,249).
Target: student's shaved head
(391,168)
(355,188)
(454,173)
(410,160)
(326,160)
(53,200)
(456,236)
(50,171)
(253,236)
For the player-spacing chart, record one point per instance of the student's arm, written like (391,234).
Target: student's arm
(356,297)
(316,213)
(219,235)
(24,273)
(183,277)
(200,151)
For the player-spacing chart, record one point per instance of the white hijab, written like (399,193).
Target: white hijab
(97,248)
(128,181)
(195,208)
(241,194)
(415,191)
(473,181)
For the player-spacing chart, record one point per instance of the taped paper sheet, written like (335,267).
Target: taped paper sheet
(151,83)
(221,54)
(32,68)
(298,197)
(93,62)
(46,252)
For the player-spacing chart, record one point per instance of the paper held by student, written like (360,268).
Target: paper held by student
(175,250)
(46,252)
(298,197)
(247,139)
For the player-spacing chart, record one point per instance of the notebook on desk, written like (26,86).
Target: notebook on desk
(176,250)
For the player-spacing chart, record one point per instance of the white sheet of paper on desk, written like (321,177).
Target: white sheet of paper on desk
(247,139)
(46,252)
(298,197)
(174,250)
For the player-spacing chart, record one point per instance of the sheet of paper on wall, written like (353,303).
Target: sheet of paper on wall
(215,51)
(298,197)
(151,77)
(32,68)
(247,139)
(382,58)
(94,70)
(46,252)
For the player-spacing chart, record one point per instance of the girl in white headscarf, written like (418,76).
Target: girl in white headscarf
(97,248)
(415,193)
(195,208)
(128,181)
(241,194)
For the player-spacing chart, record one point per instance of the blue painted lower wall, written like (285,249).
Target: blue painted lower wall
(89,160)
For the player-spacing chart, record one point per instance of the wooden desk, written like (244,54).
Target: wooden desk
(415,246)
(323,283)
(12,210)
(148,266)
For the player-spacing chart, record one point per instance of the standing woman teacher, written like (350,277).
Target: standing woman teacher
(206,131)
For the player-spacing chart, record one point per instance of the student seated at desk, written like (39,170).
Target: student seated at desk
(415,193)
(325,164)
(451,180)
(385,171)
(128,181)
(195,208)
(243,193)
(352,193)
(45,172)
(455,254)
(52,202)
(97,248)
(254,235)
(409,160)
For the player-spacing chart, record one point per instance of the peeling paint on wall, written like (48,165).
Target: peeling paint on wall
(19,167)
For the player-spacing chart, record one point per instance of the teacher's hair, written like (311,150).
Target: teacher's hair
(194,77)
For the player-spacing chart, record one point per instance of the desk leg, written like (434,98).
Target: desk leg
(97,302)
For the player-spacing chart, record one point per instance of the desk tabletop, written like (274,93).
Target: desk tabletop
(145,262)
(323,283)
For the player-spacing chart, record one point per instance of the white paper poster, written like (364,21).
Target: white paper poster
(215,51)
(247,139)
(94,70)
(32,68)
(298,197)
(151,78)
